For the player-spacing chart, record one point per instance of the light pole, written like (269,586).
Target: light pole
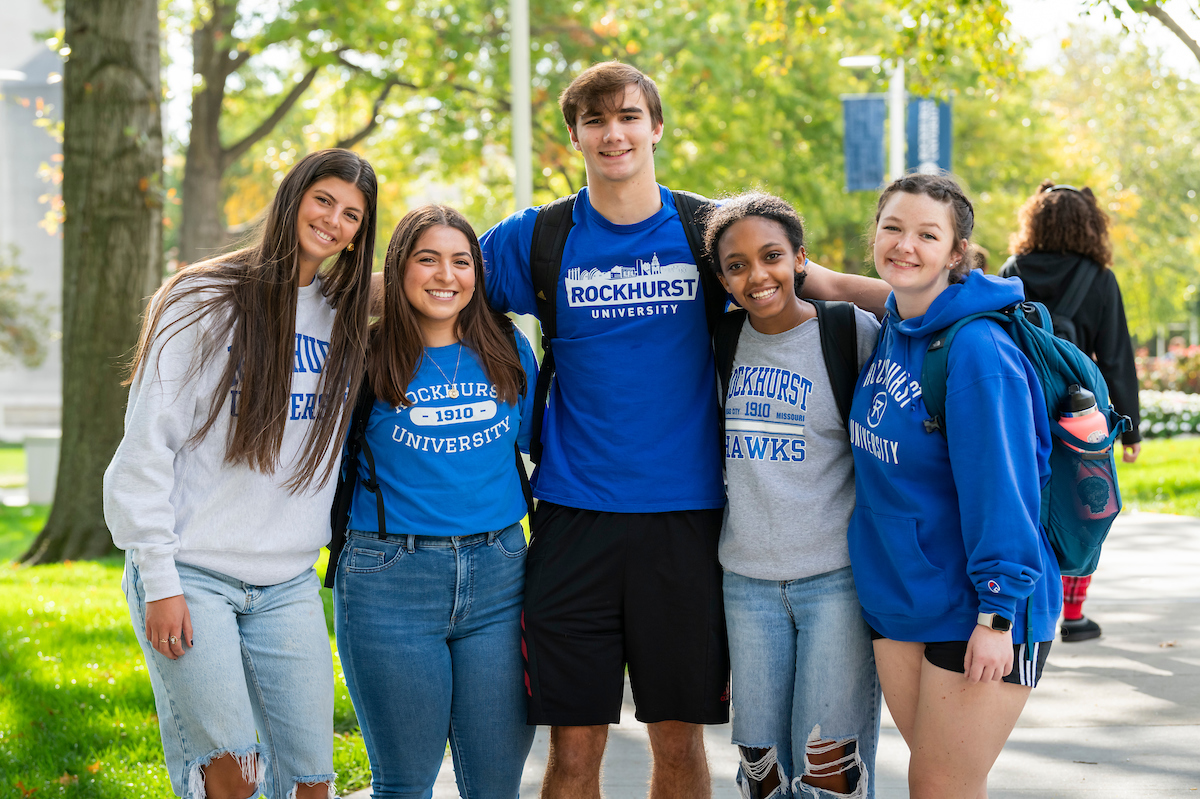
(896,99)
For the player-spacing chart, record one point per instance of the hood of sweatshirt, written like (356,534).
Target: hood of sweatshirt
(1045,273)
(979,292)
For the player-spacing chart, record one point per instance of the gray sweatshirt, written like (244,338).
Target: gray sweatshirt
(166,500)
(788,465)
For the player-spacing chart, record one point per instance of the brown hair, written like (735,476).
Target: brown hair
(596,87)
(396,346)
(246,300)
(1061,218)
(944,189)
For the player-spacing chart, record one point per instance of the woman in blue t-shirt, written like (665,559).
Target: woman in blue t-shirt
(428,590)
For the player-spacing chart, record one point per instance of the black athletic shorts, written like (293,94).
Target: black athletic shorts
(951,655)
(606,590)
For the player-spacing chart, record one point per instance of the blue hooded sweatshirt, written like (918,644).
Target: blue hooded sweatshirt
(947,527)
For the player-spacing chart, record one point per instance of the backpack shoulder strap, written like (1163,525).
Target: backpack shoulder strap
(1081,280)
(343,496)
(937,358)
(553,223)
(691,208)
(526,488)
(839,347)
(725,343)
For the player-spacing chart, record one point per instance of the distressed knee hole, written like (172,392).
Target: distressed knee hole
(327,782)
(762,775)
(249,762)
(832,765)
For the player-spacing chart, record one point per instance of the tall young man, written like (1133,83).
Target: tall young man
(623,569)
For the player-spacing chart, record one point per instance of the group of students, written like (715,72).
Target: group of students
(855,552)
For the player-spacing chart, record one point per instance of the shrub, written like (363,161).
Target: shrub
(1169,413)
(1178,370)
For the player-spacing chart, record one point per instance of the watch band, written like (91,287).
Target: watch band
(994,621)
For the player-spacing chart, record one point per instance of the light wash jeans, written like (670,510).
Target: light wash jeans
(429,634)
(257,684)
(803,671)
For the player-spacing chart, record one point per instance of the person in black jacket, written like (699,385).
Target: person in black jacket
(1064,230)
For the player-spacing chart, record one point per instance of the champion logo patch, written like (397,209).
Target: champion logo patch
(993,586)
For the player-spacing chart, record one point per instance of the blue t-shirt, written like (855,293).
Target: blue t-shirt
(446,465)
(632,422)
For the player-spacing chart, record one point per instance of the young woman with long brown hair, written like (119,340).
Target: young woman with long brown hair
(220,489)
(429,585)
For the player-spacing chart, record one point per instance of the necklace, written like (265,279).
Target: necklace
(452,392)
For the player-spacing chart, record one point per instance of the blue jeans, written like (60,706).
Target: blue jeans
(803,673)
(257,684)
(429,633)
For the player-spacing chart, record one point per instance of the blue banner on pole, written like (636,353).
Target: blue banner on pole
(928,136)
(863,116)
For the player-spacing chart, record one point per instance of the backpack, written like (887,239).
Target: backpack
(554,222)
(1081,499)
(1063,314)
(356,444)
(839,347)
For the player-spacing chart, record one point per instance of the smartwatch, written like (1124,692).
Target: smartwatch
(994,621)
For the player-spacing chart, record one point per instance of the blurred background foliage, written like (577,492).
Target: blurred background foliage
(751,94)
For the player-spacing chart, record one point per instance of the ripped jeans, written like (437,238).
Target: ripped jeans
(257,684)
(806,697)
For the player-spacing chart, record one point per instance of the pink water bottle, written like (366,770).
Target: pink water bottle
(1082,418)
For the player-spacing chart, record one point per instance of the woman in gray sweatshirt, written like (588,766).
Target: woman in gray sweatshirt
(220,490)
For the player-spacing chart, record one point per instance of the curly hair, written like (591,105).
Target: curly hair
(1061,218)
(944,189)
(720,218)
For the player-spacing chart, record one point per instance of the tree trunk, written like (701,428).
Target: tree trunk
(112,250)
(202,229)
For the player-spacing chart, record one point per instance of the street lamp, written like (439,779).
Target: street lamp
(895,70)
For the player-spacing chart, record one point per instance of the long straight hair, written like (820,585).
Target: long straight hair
(246,300)
(397,345)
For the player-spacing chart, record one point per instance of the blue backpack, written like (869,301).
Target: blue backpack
(1081,499)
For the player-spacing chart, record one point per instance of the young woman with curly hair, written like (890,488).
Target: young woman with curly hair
(1062,231)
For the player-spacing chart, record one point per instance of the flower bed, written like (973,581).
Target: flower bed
(1169,413)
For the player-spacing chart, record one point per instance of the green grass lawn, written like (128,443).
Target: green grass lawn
(1166,477)
(77,715)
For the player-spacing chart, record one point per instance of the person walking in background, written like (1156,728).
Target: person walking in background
(956,575)
(1063,256)
(429,582)
(220,490)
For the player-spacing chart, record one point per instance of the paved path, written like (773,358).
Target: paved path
(1115,718)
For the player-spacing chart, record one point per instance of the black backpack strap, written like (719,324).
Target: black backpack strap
(343,496)
(554,221)
(1081,280)
(725,344)
(839,346)
(526,489)
(691,208)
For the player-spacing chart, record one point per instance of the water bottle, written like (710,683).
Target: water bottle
(1082,418)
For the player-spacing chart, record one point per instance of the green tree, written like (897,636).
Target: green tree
(112,166)
(24,325)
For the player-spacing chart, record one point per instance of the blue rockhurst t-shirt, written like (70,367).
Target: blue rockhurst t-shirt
(632,419)
(446,464)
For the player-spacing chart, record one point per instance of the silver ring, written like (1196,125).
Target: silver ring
(174,640)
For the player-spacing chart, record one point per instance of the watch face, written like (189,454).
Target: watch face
(1001,624)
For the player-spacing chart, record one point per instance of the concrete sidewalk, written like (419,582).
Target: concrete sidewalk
(1117,718)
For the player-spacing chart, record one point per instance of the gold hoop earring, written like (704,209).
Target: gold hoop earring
(350,247)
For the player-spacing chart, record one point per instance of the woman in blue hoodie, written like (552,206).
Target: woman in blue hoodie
(953,570)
